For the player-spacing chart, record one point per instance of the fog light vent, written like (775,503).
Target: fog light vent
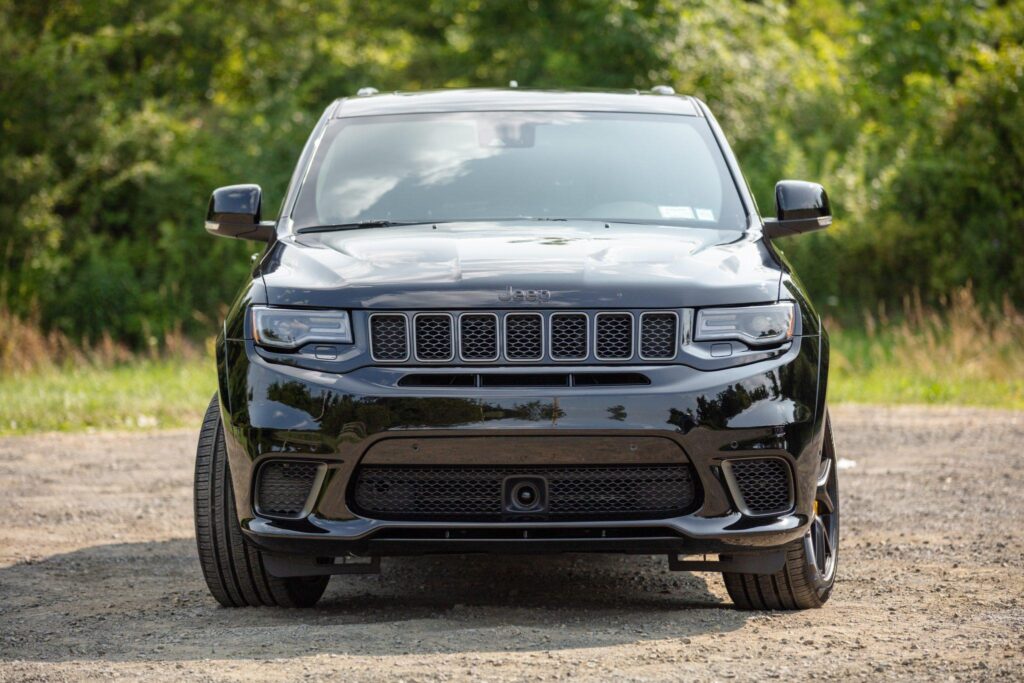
(761,486)
(284,488)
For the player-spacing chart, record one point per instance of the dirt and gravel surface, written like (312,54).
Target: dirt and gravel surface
(99,579)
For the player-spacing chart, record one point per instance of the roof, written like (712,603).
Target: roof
(515,99)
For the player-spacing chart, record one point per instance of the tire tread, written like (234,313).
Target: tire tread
(790,588)
(233,569)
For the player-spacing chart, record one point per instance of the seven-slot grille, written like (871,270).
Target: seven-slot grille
(472,492)
(524,336)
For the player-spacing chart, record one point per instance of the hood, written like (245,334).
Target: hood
(565,265)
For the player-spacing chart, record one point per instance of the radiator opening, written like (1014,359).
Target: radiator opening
(530,379)
(599,379)
(438,379)
(533,379)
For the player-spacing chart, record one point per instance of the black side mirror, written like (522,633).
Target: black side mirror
(799,207)
(234,211)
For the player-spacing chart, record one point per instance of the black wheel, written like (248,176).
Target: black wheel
(233,569)
(809,574)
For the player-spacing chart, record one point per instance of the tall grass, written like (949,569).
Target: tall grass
(48,382)
(958,352)
(25,348)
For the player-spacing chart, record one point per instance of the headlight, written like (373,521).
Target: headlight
(757,325)
(289,329)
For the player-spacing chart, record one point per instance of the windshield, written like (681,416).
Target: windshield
(480,166)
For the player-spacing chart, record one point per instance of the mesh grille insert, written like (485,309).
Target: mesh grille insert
(523,339)
(462,492)
(764,484)
(658,336)
(478,336)
(284,487)
(389,334)
(433,336)
(569,336)
(614,336)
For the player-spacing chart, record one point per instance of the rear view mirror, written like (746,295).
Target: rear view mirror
(234,211)
(799,207)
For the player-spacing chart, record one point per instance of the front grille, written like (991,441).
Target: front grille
(569,336)
(524,338)
(658,336)
(389,337)
(283,488)
(478,336)
(433,341)
(763,485)
(614,336)
(441,492)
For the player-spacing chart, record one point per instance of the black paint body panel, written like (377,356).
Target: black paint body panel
(467,265)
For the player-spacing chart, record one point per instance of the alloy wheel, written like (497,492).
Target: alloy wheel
(823,538)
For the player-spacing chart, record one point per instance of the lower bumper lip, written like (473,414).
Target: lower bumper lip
(316,535)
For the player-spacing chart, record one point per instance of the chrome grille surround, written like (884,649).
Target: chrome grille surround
(659,331)
(613,335)
(389,337)
(433,337)
(568,338)
(478,337)
(524,337)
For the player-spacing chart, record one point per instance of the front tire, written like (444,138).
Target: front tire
(233,569)
(807,578)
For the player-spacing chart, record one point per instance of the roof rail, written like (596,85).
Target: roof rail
(366,91)
(663,90)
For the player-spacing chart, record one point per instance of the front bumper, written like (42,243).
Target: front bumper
(770,408)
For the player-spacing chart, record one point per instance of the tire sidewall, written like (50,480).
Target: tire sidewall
(822,586)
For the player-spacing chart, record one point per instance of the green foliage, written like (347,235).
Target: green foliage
(117,117)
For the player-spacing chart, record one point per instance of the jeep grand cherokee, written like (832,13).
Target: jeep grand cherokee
(509,321)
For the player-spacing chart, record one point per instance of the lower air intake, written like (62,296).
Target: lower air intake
(283,488)
(761,486)
(476,493)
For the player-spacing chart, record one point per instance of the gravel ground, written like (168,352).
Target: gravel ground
(99,579)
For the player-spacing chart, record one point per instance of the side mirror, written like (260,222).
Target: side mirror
(234,211)
(799,207)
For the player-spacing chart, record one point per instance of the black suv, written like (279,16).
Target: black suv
(510,321)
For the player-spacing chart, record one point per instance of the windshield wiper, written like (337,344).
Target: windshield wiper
(385,223)
(376,223)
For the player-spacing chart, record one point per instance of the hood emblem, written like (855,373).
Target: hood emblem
(535,295)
